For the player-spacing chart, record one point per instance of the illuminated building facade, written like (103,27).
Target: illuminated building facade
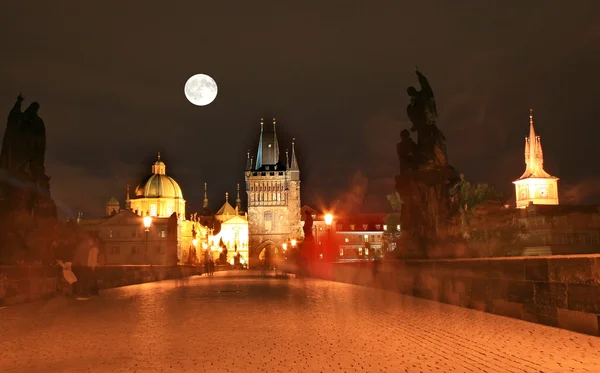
(535,186)
(273,188)
(170,238)
(233,231)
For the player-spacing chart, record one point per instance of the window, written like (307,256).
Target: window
(110,233)
(351,227)
(152,210)
(378,226)
(360,251)
(341,252)
(114,250)
(160,250)
(366,251)
(163,234)
(398,227)
(365,227)
(169,210)
(346,240)
(134,250)
(134,233)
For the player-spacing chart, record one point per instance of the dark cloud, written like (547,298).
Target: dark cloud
(110,80)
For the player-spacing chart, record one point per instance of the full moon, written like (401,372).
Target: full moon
(200,89)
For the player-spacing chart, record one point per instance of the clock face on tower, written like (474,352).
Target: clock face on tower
(523,193)
(543,192)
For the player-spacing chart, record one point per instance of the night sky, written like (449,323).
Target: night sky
(109,78)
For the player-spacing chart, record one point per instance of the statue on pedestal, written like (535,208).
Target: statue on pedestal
(27,211)
(427,184)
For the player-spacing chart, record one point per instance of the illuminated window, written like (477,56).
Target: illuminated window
(365,227)
(341,252)
(360,251)
(152,210)
(351,227)
(378,226)
(163,234)
(346,240)
(110,233)
(385,227)
(398,227)
(366,251)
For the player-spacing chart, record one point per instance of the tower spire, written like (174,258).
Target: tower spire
(287,159)
(275,143)
(127,199)
(248,161)
(226,196)
(259,154)
(159,156)
(294,162)
(205,204)
(238,200)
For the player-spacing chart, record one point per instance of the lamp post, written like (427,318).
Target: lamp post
(328,221)
(147,224)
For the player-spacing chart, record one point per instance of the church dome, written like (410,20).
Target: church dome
(158,185)
(113,202)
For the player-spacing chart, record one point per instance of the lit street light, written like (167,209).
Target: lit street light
(328,221)
(293,242)
(147,223)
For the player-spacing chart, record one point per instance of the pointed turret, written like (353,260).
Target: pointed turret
(127,199)
(287,159)
(205,204)
(535,185)
(259,155)
(294,162)
(275,143)
(534,156)
(268,148)
(238,201)
(248,161)
(226,211)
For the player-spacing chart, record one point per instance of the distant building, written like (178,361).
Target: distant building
(360,236)
(170,238)
(273,188)
(232,230)
(535,185)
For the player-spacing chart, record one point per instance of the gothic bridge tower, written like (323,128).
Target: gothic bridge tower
(273,188)
(535,185)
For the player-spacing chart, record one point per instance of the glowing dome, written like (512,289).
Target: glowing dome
(158,195)
(158,185)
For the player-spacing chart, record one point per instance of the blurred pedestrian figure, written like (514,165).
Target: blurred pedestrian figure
(84,263)
(67,273)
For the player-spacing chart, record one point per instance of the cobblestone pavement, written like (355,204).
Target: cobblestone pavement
(245,323)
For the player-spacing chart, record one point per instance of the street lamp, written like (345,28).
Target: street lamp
(293,242)
(147,223)
(328,221)
(284,246)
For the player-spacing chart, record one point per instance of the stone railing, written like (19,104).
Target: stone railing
(561,291)
(19,284)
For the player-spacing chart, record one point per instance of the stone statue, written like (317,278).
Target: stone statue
(427,184)
(422,112)
(9,155)
(33,133)
(27,212)
(308,225)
